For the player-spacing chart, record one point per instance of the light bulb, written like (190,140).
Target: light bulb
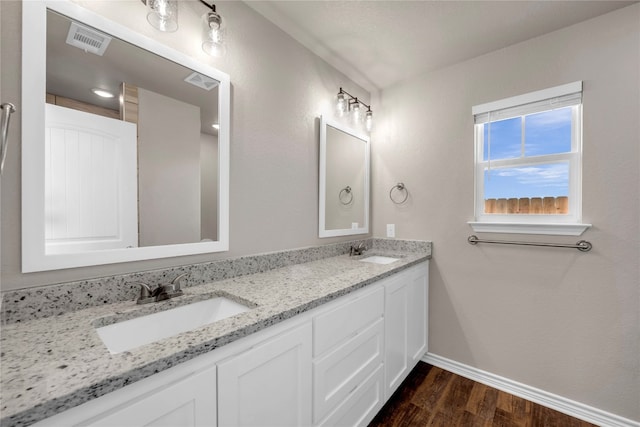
(163,15)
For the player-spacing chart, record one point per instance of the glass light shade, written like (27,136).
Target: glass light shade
(163,15)
(213,34)
(368,120)
(341,104)
(355,112)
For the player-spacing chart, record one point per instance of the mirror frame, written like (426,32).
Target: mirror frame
(34,32)
(322,227)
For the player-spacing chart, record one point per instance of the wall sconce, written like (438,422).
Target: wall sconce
(163,14)
(348,103)
(213,32)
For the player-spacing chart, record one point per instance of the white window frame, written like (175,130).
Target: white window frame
(543,100)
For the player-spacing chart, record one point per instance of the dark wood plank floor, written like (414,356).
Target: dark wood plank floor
(431,396)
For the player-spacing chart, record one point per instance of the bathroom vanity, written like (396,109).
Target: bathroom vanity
(323,343)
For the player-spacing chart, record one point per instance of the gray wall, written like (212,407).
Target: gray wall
(279,89)
(209,186)
(563,321)
(168,170)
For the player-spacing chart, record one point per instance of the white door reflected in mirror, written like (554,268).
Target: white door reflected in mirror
(90,182)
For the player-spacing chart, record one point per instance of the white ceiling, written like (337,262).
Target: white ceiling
(379,43)
(72,72)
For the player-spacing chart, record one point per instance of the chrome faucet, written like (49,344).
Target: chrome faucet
(160,292)
(357,249)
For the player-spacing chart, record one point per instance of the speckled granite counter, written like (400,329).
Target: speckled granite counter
(55,363)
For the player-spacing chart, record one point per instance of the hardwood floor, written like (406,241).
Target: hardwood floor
(431,396)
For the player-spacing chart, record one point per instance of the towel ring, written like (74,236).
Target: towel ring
(400,187)
(346,190)
(7,109)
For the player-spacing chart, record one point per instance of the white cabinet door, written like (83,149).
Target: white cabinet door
(269,384)
(417,313)
(395,319)
(190,402)
(405,324)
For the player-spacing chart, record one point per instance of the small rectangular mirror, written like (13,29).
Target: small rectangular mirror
(344,180)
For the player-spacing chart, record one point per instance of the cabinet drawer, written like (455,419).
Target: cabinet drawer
(338,373)
(360,406)
(336,325)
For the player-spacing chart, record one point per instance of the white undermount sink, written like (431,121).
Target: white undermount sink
(129,334)
(379,259)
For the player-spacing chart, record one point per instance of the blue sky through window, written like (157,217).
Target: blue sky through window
(550,180)
(548,132)
(506,139)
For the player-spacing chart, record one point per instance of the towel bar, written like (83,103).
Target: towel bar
(582,245)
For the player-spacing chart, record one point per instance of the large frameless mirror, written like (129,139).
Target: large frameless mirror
(139,174)
(344,180)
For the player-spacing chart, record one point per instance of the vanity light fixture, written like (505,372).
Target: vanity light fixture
(347,103)
(213,32)
(163,14)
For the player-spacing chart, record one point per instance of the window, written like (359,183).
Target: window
(528,163)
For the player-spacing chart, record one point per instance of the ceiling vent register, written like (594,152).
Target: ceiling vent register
(202,81)
(88,39)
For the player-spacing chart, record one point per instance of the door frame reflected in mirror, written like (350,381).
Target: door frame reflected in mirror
(34,256)
(323,202)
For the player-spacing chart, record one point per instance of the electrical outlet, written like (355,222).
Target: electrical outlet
(391,230)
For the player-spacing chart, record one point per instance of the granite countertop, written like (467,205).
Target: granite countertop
(52,364)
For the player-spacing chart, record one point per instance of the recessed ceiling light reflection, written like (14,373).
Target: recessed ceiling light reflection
(102,93)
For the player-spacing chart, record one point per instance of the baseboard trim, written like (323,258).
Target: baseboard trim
(541,397)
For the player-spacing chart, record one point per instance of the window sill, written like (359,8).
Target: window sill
(554,229)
